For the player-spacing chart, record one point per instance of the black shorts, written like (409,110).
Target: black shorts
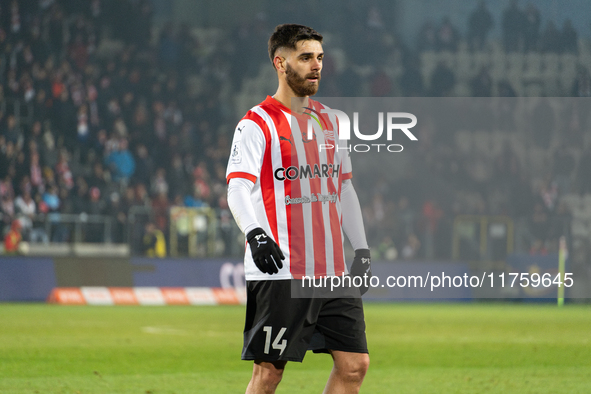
(280,327)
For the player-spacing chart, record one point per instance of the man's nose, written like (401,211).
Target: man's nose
(317,65)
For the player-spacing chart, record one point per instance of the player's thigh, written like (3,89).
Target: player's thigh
(341,321)
(278,326)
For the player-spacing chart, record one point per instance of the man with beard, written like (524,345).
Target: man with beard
(291,200)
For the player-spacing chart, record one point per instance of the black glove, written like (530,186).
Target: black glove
(265,252)
(362,266)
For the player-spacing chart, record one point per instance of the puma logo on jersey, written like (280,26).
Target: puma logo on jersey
(282,138)
(240,128)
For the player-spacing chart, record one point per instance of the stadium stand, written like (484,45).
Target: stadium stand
(107,120)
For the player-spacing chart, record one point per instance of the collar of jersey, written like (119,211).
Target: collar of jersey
(273,101)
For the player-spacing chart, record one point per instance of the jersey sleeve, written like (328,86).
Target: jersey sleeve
(246,155)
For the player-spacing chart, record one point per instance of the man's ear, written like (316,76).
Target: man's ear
(279,63)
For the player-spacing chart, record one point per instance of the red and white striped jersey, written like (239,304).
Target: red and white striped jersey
(297,186)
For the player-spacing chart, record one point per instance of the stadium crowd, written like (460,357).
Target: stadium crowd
(99,115)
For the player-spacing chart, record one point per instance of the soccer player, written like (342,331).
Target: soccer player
(293,200)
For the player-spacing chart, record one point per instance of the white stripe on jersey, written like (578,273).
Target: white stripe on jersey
(305,191)
(277,161)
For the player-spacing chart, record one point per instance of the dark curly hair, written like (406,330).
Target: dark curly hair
(287,36)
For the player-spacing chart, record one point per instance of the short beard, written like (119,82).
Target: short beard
(300,86)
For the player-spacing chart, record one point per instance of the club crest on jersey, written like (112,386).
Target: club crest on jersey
(307,172)
(305,139)
(328,134)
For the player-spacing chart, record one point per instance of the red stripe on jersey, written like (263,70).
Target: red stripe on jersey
(266,177)
(318,232)
(294,213)
(244,175)
(335,223)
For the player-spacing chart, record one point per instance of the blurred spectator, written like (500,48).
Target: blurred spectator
(538,223)
(13,238)
(447,36)
(551,41)
(118,209)
(411,81)
(62,170)
(12,132)
(95,231)
(80,199)
(582,83)
(160,205)
(145,165)
(507,166)
(25,209)
(570,39)
(159,185)
(35,173)
(531,30)
(443,81)
(121,163)
(381,86)
(549,194)
(543,123)
(98,178)
(480,23)
(427,37)
(583,173)
(178,178)
(513,27)
(564,165)
(411,248)
(51,199)
(432,214)
(481,84)
(505,89)
(7,209)
(141,196)
(387,250)
(154,243)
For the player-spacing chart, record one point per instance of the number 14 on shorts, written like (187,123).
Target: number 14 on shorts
(276,344)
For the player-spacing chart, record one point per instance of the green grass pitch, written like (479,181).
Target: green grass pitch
(414,348)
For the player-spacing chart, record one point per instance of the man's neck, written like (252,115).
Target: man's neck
(288,99)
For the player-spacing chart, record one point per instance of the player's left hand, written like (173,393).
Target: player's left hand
(362,266)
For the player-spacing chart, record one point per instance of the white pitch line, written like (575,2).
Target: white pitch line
(163,330)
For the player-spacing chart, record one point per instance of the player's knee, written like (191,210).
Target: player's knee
(268,377)
(273,377)
(355,370)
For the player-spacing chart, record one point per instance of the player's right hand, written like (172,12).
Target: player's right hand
(265,252)
(361,267)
